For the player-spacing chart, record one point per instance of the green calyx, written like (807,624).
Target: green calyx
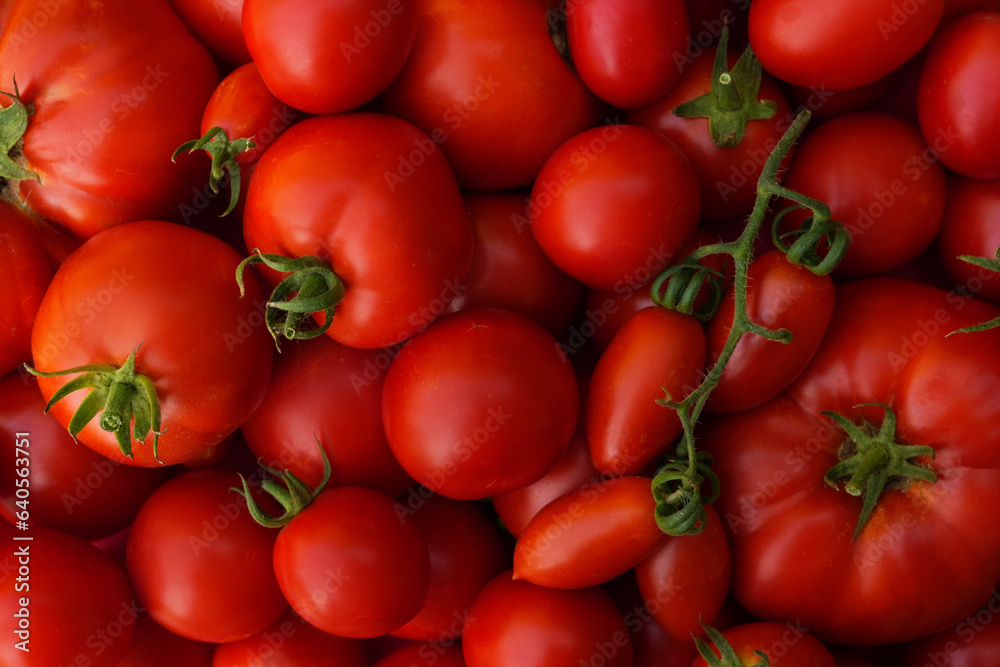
(726,656)
(874,459)
(680,500)
(291,493)
(680,286)
(990,264)
(311,287)
(224,153)
(13,125)
(732,101)
(120,395)
(817,232)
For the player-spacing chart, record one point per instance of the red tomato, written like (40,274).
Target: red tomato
(465,553)
(973,641)
(626,52)
(520,623)
(400,242)
(352,563)
(510,270)
(959,95)
(116,86)
(881,180)
(137,288)
(955,8)
(684,583)
(780,295)
(485,82)
(565,545)
(69,487)
(331,56)
(218,25)
(309,377)
(784,645)
(727,176)
(839,45)
(25,272)
(201,566)
(612,202)
(479,403)
(972,208)
(652,646)
(656,352)
(153,645)
(291,642)
(63,601)
(424,655)
(926,535)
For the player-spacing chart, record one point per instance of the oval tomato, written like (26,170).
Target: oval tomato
(972,207)
(479,403)
(136,289)
(845,44)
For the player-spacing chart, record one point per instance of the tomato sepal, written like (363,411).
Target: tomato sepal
(680,285)
(13,125)
(680,502)
(727,654)
(291,493)
(990,264)
(816,231)
(224,151)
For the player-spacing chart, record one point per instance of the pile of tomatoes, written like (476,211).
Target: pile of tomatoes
(499,333)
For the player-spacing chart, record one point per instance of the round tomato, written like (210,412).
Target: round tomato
(786,644)
(126,302)
(839,45)
(115,86)
(626,52)
(369,196)
(331,56)
(972,208)
(859,548)
(424,655)
(201,566)
(153,645)
(959,95)
(612,202)
(352,563)
(519,623)
(486,82)
(479,403)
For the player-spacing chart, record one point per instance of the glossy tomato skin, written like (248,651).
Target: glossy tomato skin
(466,552)
(839,46)
(793,556)
(520,623)
(485,82)
(371,195)
(479,403)
(101,143)
(780,295)
(200,564)
(727,176)
(958,95)
(564,544)
(626,52)
(353,564)
(140,285)
(217,25)
(323,390)
(331,56)
(25,268)
(61,615)
(612,202)
(785,645)
(656,352)
(972,208)
(70,487)
(881,180)
(684,583)
(510,270)
(291,642)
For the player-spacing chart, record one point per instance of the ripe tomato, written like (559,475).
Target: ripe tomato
(975,640)
(784,644)
(479,403)
(485,82)
(153,645)
(424,654)
(520,623)
(352,564)
(881,180)
(331,56)
(840,45)
(218,24)
(201,566)
(886,364)
(63,601)
(972,207)
(137,288)
(115,86)
(626,52)
(334,187)
(612,202)
(958,95)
